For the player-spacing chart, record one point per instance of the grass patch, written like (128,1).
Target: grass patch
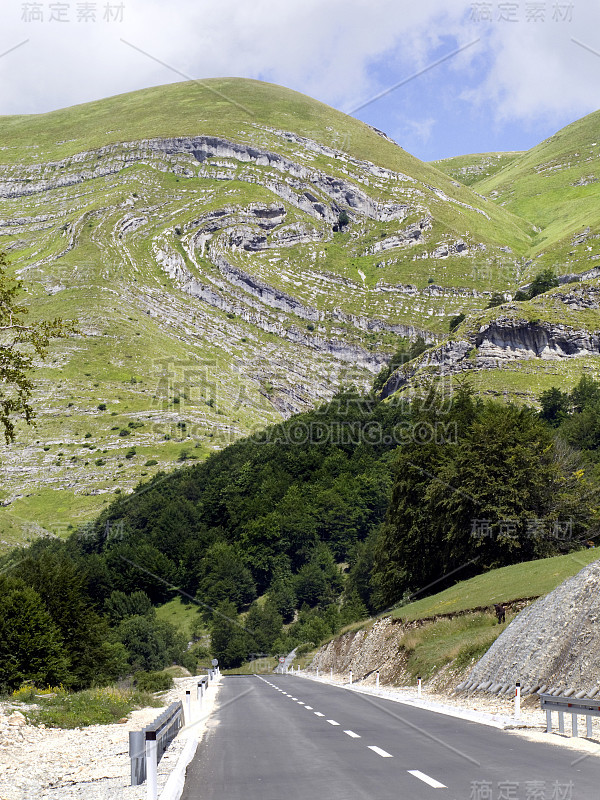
(529,579)
(89,707)
(461,640)
(182,615)
(259,666)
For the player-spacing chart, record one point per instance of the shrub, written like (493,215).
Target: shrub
(153,681)
(90,707)
(124,432)
(151,462)
(455,321)
(343,219)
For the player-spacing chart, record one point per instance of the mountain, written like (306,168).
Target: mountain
(476,167)
(234,253)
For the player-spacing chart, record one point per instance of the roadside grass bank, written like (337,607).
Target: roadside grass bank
(62,709)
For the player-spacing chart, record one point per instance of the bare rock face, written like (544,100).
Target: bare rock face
(554,642)
(363,651)
(498,342)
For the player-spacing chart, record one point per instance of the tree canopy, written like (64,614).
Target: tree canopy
(21,341)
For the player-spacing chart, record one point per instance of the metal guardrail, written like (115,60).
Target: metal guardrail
(146,747)
(154,737)
(569,705)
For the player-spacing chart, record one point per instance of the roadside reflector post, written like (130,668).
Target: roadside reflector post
(188,706)
(377,679)
(350,677)
(151,765)
(317,672)
(518,700)
(419,686)
(331,674)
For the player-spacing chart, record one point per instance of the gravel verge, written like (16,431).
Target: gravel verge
(38,763)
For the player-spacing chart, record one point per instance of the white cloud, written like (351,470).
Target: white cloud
(536,70)
(341,51)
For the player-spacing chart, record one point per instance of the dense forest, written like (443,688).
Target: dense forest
(284,537)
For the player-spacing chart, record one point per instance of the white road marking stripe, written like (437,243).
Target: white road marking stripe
(318,714)
(379,751)
(332,722)
(352,734)
(309,708)
(294,698)
(300,703)
(426,779)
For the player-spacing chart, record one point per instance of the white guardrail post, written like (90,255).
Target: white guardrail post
(151,766)
(518,700)
(419,686)
(569,705)
(188,707)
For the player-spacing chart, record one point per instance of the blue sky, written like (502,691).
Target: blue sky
(532,66)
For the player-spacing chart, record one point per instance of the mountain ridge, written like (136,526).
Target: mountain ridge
(203,250)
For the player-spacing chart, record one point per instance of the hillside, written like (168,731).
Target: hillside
(454,626)
(555,186)
(189,230)
(551,645)
(235,253)
(476,167)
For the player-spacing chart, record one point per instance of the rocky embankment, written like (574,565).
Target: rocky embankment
(554,645)
(378,647)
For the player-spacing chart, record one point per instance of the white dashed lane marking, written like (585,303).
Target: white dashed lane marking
(383,753)
(426,779)
(379,751)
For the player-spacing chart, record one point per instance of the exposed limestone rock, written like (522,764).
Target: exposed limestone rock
(497,342)
(363,651)
(507,339)
(411,235)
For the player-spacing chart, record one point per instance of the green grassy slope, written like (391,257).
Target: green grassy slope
(180,373)
(555,186)
(518,581)
(475,167)
(234,108)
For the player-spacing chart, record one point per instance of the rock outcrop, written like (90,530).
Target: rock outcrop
(500,341)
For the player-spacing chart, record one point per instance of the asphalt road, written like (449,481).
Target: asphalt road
(285,738)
